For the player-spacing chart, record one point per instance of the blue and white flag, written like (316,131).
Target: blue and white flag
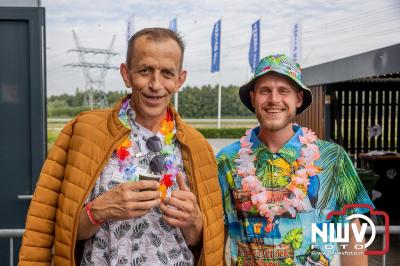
(295,41)
(254,50)
(129,28)
(173,25)
(216,47)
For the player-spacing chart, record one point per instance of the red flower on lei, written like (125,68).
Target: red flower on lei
(122,153)
(122,150)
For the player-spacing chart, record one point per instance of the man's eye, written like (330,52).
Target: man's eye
(168,74)
(144,70)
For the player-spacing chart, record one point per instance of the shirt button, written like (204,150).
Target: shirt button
(274,156)
(275,174)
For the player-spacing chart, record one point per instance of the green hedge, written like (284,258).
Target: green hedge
(223,133)
(66,111)
(52,136)
(211,133)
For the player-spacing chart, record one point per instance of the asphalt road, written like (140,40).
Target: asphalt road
(218,144)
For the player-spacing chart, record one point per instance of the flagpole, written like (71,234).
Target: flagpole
(219,80)
(215,62)
(176,94)
(176,100)
(219,100)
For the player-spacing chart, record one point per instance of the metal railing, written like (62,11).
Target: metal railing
(380,230)
(11,234)
(14,233)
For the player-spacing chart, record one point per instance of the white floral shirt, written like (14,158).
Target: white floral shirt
(146,240)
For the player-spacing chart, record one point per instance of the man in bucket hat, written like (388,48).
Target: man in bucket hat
(280,178)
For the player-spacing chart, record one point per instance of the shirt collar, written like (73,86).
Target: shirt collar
(290,151)
(126,114)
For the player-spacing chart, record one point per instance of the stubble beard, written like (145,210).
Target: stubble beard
(274,126)
(142,110)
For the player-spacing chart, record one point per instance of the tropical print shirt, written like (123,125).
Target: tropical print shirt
(289,240)
(145,240)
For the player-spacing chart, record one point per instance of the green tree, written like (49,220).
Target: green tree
(194,102)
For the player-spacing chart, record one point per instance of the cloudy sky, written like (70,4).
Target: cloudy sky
(331,30)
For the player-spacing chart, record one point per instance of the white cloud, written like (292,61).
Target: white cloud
(331,30)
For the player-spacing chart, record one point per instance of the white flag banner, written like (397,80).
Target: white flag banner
(295,41)
(129,28)
(173,25)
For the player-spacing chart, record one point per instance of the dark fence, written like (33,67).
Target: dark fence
(313,117)
(365,116)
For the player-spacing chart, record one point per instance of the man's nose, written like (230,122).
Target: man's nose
(274,97)
(155,83)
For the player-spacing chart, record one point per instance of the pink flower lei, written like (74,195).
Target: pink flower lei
(260,196)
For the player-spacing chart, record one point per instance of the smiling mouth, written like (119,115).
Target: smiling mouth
(150,97)
(273,110)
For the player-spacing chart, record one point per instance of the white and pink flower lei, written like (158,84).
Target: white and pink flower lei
(260,196)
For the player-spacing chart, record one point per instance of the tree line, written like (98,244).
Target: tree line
(194,102)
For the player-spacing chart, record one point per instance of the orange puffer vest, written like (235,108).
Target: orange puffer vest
(73,165)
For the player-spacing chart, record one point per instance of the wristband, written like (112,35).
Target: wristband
(90,214)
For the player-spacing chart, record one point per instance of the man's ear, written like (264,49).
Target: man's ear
(300,96)
(124,71)
(252,97)
(181,79)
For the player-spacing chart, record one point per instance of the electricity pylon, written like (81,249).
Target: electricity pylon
(91,83)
